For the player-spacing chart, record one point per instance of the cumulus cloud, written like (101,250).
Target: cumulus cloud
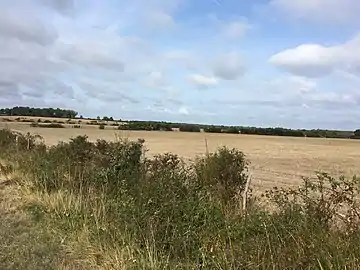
(314,60)
(229,66)
(309,60)
(323,11)
(202,81)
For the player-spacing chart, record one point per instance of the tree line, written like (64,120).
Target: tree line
(278,131)
(38,112)
(184,127)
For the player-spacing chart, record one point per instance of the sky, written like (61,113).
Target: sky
(289,63)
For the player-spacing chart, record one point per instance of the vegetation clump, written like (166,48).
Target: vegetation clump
(46,125)
(128,211)
(189,128)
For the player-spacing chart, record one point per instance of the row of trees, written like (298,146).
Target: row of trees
(38,112)
(167,126)
(143,125)
(316,133)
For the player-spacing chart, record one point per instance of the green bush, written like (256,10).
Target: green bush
(224,172)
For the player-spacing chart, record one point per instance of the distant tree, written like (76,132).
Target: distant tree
(105,118)
(189,128)
(38,112)
(213,129)
(232,130)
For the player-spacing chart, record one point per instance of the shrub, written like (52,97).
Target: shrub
(224,172)
(213,129)
(10,140)
(232,130)
(325,200)
(189,128)
(101,126)
(52,125)
(76,126)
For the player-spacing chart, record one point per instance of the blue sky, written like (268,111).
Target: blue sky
(284,63)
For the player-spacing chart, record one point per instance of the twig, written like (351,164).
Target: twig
(206,147)
(245,193)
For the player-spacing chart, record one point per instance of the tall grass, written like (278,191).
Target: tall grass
(122,210)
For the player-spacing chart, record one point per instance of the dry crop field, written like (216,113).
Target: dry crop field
(277,161)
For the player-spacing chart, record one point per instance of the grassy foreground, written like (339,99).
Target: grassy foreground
(107,206)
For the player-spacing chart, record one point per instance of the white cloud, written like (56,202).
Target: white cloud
(229,66)
(309,60)
(155,79)
(183,110)
(290,85)
(235,30)
(90,55)
(323,11)
(202,81)
(157,19)
(313,60)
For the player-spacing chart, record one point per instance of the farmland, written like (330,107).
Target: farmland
(274,160)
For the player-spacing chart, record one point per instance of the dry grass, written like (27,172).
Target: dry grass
(275,160)
(20,247)
(25,242)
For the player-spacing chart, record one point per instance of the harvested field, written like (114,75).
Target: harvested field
(277,161)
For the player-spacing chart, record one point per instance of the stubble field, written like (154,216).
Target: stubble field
(279,161)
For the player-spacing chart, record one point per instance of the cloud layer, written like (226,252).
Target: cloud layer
(181,60)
